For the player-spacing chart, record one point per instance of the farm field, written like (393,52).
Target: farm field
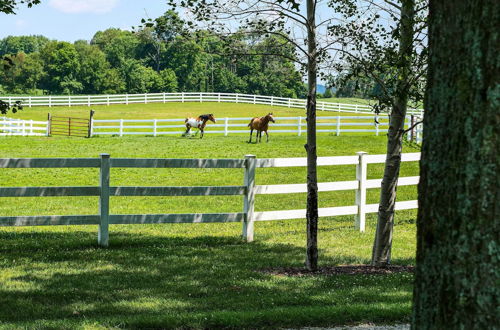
(166,111)
(193,275)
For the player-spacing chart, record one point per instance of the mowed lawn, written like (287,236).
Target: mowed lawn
(193,275)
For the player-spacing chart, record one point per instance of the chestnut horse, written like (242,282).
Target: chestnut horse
(198,123)
(260,124)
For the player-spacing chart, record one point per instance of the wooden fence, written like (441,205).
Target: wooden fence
(227,125)
(89,100)
(19,127)
(157,127)
(248,190)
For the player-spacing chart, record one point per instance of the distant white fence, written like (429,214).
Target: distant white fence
(19,127)
(226,126)
(89,100)
(157,127)
(248,190)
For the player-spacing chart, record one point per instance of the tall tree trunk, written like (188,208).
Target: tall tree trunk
(381,253)
(312,177)
(458,226)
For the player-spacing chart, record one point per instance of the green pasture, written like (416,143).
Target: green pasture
(192,275)
(193,109)
(167,111)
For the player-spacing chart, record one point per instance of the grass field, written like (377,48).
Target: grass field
(192,275)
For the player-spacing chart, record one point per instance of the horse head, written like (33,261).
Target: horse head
(211,117)
(270,117)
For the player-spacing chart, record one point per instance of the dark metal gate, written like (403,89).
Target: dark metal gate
(70,126)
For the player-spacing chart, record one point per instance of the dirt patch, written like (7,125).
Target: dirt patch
(340,270)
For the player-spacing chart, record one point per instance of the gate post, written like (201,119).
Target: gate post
(249,197)
(103,234)
(49,124)
(361,169)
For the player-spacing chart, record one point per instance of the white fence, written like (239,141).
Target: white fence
(157,127)
(226,126)
(89,100)
(248,190)
(19,127)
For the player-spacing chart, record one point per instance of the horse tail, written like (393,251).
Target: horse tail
(186,120)
(251,121)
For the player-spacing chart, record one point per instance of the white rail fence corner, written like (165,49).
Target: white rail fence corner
(248,190)
(90,100)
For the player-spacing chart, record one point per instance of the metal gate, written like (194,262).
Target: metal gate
(70,126)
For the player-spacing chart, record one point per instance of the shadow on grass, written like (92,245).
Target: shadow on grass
(64,280)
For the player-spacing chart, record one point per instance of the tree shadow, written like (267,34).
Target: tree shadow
(162,281)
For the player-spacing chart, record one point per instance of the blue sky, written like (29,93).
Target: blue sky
(70,20)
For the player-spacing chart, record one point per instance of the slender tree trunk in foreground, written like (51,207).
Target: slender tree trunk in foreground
(381,253)
(312,177)
(458,227)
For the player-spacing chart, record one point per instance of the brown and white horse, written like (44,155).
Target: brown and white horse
(200,122)
(260,124)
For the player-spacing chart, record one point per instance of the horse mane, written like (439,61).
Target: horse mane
(205,116)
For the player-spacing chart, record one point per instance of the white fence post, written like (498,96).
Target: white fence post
(361,169)
(338,125)
(154,127)
(50,101)
(272,99)
(299,126)
(164,97)
(408,136)
(218,97)
(201,97)
(103,234)
(126,99)
(254,99)
(121,127)
(107,100)
(289,101)
(249,197)
(376,125)
(236,97)
(88,100)
(182,97)
(145,98)
(226,126)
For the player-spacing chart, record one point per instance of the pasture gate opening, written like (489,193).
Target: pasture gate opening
(248,190)
(70,126)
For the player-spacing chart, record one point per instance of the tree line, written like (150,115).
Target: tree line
(145,61)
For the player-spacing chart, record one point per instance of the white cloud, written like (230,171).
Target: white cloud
(83,6)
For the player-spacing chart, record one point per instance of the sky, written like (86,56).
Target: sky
(70,20)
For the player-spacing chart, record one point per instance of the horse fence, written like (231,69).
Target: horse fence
(90,100)
(19,127)
(157,127)
(248,190)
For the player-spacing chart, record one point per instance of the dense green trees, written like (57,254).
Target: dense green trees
(159,58)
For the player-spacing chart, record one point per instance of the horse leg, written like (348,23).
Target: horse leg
(201,135)
(187,130)
(267,135)
(251,131)
(260,136)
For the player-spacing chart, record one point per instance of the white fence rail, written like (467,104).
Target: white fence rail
(157,127)
(89,100)
(226,126)
(19,127)
(248,190)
